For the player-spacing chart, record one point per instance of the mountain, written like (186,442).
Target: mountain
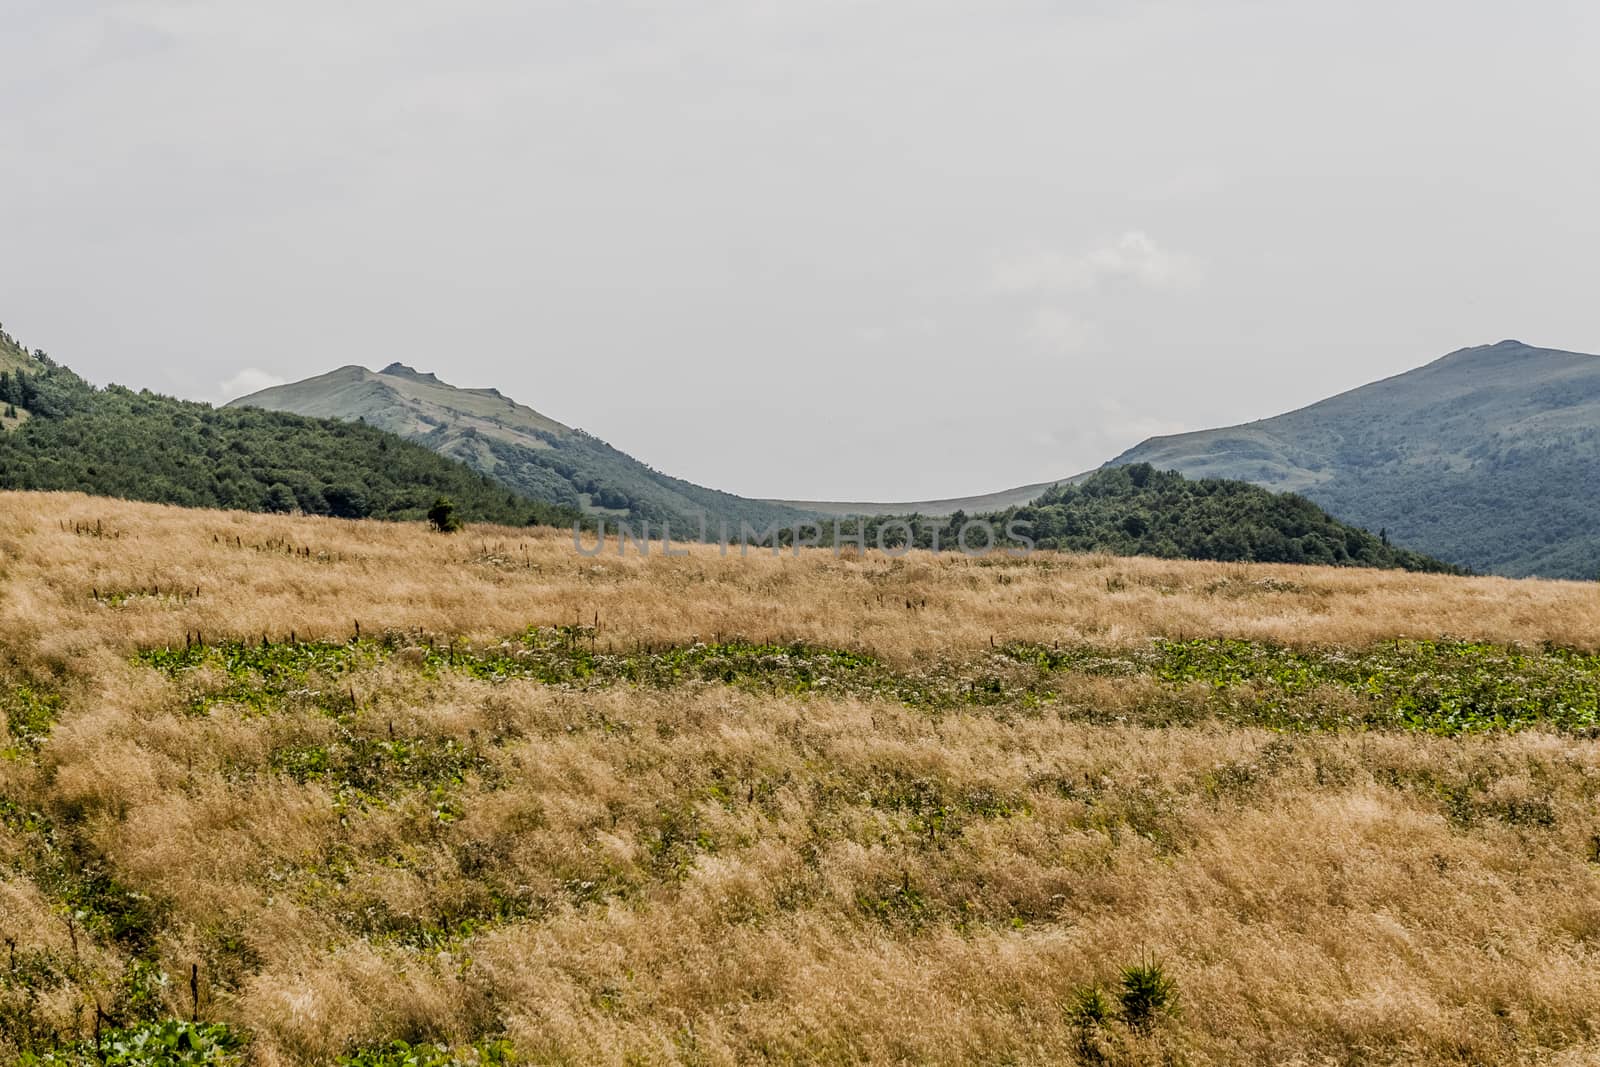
(1005,498)
(516,446)
(13,356)
(67,434)
(1486,457)
(1137,510)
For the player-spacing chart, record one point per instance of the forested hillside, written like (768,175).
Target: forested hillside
(62,433)
(1485,457)
(517,446)
(1140,511)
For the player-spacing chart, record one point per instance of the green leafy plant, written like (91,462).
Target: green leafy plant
(169,1043)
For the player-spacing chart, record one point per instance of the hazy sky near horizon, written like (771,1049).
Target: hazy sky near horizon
(848,249)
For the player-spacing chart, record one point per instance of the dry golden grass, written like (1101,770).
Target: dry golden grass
(488,582)
(706,874)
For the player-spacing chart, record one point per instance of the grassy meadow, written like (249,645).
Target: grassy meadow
(279,790)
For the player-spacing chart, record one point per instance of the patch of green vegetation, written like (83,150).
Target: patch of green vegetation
(569,655)
(69,870)
(675,840)
(168,1043)
(1442,687)
(260,676)
(486,890)
(935,812)
(1145,995)
(93,906)
(29,717)
(365,770)
(373,918)
(899,902)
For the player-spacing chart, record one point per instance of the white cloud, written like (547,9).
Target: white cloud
(1133,257)
(250,380)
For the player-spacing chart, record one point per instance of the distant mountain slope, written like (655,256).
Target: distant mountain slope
(141,446)
(17,365)
(13,356)
(1005,498)
(1486,457)
(516,446)
(1138,510)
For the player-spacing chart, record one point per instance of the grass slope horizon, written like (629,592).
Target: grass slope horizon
(517,446)
(69,435)
(1484,457)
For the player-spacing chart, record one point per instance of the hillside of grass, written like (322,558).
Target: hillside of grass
(1137,510)
(70,435)
(285,790)
(518,447)
(1484,457)
(16,364)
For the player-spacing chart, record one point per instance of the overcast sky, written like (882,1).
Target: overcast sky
(830,248)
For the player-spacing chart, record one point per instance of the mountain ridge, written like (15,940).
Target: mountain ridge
(996,501)
(1483,456)
(516,445)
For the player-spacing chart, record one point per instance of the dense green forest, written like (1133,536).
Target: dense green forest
(142,446)
(1139,511)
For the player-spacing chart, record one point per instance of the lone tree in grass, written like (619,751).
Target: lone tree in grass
(1147,993)
(443,516)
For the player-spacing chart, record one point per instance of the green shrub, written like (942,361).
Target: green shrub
(1089,1007)
(1147,992)
(443,516)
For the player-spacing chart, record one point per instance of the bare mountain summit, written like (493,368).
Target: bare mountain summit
(515,445)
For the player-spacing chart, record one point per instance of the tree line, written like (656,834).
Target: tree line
(144,446)
(1137,510)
